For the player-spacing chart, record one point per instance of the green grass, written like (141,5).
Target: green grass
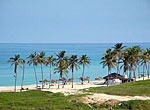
(138,88)
(39,100)
(42,100)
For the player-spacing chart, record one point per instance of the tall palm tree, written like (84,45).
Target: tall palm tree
(41,61)
(33,60)
(148,55)
(50,61)
(137,54)
(23,63)
(85,61)
(118,48)
(73,63)
(17,62)
(144,58)
(61,64)
(132,60)
(108,61)
(125,61)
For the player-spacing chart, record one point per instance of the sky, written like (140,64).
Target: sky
(74,21)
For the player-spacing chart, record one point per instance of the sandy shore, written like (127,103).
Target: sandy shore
(67,88)
(94,98)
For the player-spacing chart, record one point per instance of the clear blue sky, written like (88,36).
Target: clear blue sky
(74,21)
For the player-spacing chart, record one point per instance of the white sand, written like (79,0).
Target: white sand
(67,87)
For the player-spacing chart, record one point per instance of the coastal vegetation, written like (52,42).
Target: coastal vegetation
(130,58)
(134,88)
(17,61)
(43,100)
(62,63)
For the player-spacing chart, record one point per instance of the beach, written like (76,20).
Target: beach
(67,90)
(98,98)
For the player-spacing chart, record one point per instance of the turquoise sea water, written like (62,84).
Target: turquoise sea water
(93,50)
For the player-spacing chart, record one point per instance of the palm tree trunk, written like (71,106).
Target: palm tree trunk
(35,75)
(15,77)
(15,81)
(143,70)
(138,71)
(118,71)
(50,76)
(83,73)
(108,77)
(130,75)
(148,70)
(58,81)
(72,77)
(134,73)
(42,75)
(22,77)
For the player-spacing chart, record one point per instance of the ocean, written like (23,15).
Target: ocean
(94,50)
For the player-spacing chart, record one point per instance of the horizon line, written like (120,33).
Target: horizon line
(67,42)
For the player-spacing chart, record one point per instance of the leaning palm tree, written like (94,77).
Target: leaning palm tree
(41,61)
(118,48)
(61,64)
(108,61)
(33,60)
(50,61)
(85,61)
(23,63)
(17,62)
(73,63)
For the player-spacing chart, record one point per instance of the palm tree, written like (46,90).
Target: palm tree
(73,63)
(41,61)
(50,60)
(108,61)
(23,63)
(62,64)
(17,62)
(125,61)
(148,55)
(85,61)
(132,60)
(33,60)
(144,58)
(118,48)
(137,54)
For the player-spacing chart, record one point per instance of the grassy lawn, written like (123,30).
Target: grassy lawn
(38,100)
(138,88)
(41,100)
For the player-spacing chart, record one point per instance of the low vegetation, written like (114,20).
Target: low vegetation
(42,100)
(39,100)
(137,88)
